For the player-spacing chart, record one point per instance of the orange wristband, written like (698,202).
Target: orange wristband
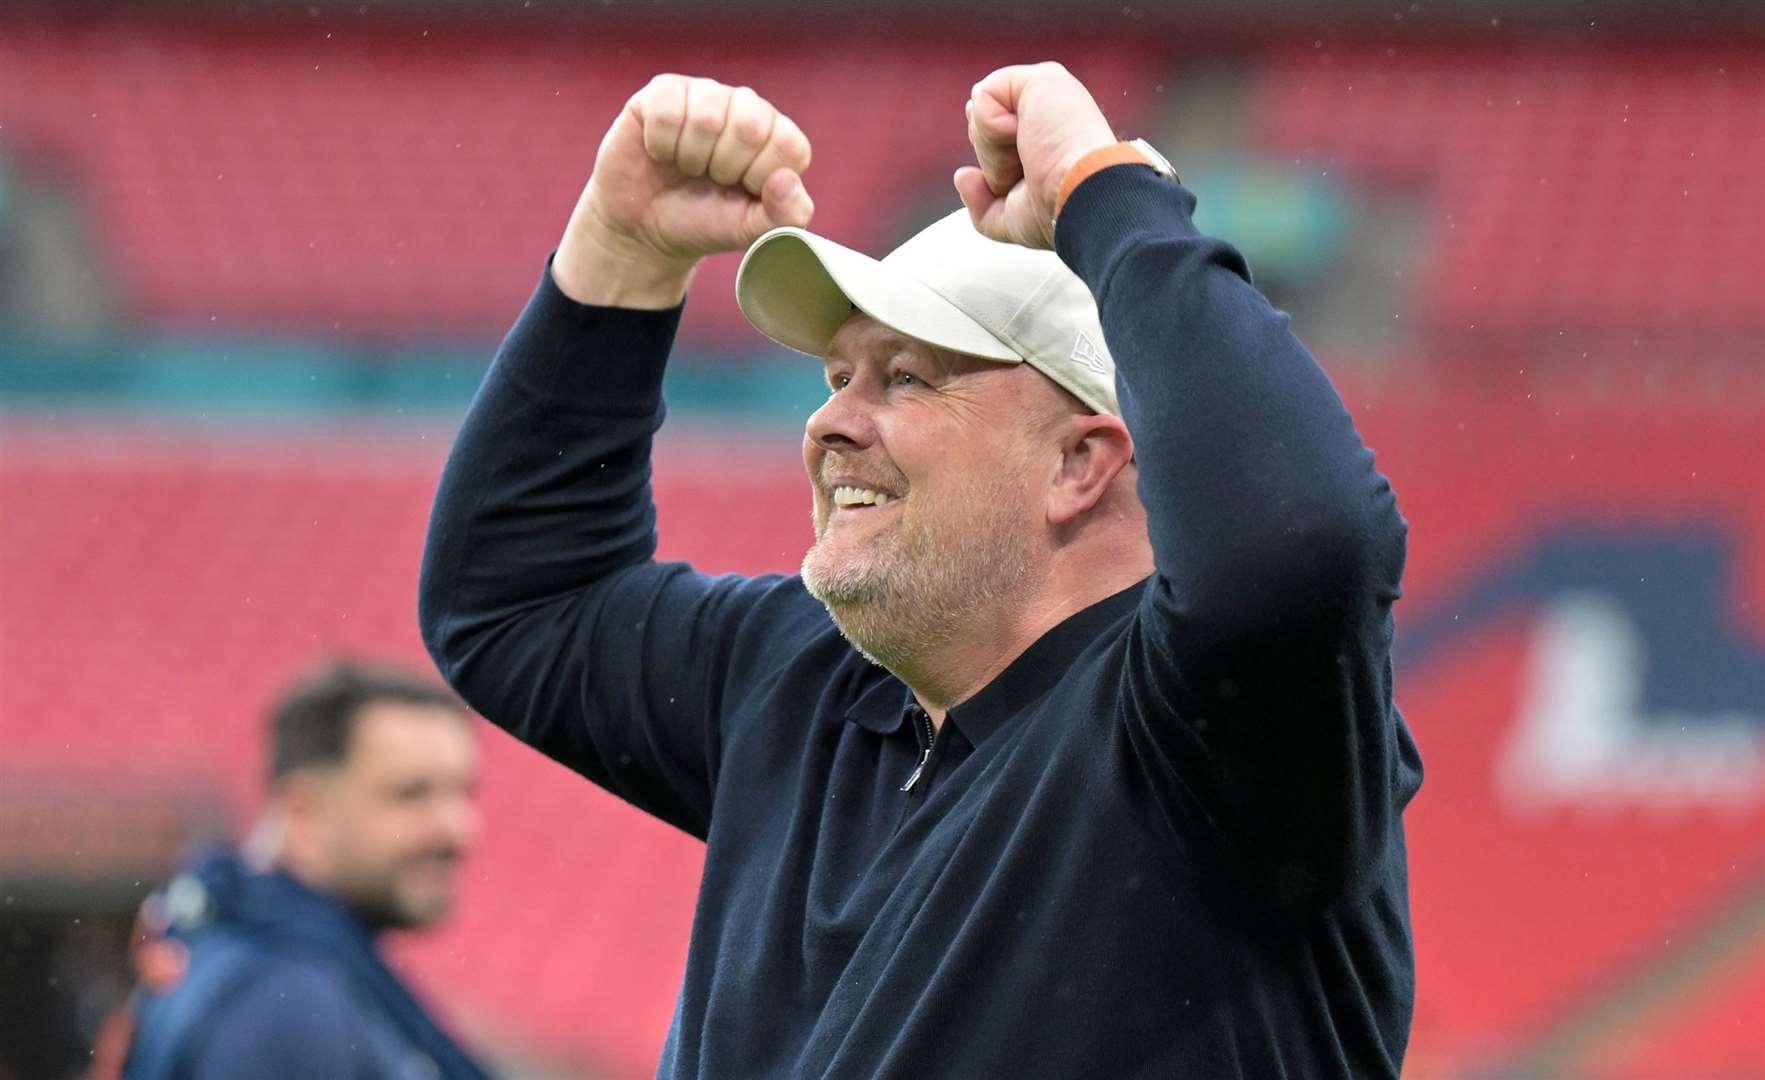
(1121,153)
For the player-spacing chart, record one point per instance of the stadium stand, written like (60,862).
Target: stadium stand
(1588,190)
(394,183)
(408,182)
(296,178)
(161,585)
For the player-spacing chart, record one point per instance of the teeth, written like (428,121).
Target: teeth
(855,496)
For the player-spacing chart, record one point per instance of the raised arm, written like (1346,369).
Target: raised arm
(1256,688)
(539,599)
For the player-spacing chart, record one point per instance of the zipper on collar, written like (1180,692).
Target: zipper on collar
(930,736)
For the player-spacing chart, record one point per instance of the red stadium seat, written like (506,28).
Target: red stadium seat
(1587,190)
(312,180)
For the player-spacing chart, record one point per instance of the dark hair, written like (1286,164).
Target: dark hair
(312,723)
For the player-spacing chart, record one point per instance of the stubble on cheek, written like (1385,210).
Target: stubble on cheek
(818,515)
(841,569)
(901,589)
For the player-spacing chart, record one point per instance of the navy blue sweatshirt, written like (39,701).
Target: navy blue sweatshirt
(1165,841)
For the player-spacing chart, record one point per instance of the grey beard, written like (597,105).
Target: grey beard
(897,617)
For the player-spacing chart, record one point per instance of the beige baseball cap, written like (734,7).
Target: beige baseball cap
(948,286)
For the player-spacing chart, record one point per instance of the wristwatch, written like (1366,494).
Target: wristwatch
(1132,152)
(1160,164)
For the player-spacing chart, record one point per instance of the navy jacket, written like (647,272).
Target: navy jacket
(1165,841)
(282,982)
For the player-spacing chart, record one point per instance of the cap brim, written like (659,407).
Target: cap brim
(797,288)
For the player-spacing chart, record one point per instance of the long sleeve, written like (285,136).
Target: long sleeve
(1257,687)
(539,598)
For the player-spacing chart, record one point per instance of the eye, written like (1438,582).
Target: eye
(837,382)
(904,378)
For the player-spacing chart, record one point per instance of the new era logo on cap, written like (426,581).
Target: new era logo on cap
(1086,354)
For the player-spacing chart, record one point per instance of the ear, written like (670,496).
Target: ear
(300,797)
(1093,451)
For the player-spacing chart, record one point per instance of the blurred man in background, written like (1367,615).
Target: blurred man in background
(269,964)
(1072,750)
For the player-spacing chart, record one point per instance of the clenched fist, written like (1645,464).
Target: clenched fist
(1029,123)
(691,167)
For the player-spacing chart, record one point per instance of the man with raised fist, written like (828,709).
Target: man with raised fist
(1071,751)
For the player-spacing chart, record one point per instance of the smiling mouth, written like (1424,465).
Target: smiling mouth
(856,498)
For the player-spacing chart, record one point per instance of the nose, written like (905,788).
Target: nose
(843,422)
